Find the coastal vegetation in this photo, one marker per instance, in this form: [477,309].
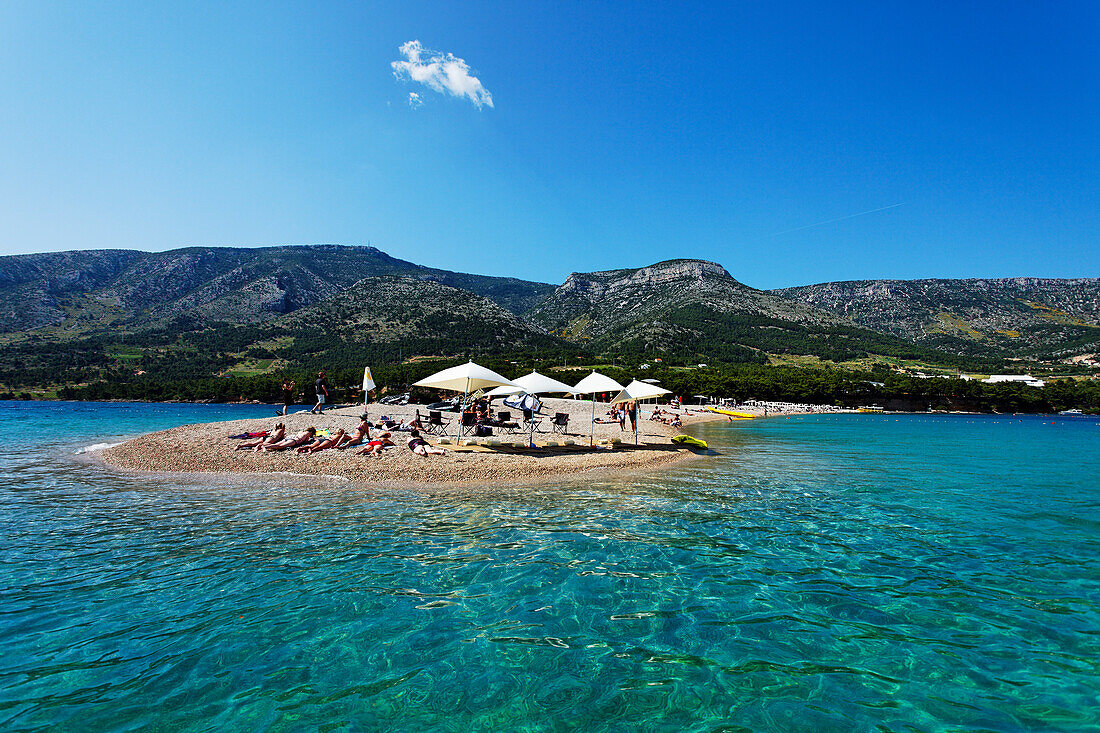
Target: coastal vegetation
[738,381]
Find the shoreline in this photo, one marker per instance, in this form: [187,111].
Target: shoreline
[205,450]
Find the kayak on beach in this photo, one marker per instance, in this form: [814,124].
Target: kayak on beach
[731,413]
[688,440]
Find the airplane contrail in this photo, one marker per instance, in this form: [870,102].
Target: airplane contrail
[839,218]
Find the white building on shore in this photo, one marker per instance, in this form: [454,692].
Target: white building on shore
[1027,379]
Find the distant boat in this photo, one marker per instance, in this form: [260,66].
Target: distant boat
[1071,412]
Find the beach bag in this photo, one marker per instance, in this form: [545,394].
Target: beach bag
[483,431]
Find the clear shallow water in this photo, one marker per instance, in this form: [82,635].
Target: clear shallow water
[822,573]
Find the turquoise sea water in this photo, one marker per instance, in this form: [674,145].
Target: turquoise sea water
[827,573]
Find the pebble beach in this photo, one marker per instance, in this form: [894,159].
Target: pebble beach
[207,448]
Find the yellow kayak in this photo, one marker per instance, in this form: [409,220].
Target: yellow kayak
[688,440]
[731,413]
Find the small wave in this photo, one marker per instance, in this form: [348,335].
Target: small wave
[94,447]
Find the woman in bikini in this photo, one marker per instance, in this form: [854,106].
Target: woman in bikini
[421,447]
[374,447]
[298,439]
[356,438]
[274,437]
[328,442]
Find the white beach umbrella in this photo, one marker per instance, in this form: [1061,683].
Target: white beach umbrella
[462,379]
[368,384]
[533,383]
[638,391]
[592,384]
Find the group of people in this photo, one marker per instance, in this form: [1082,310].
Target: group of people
[668,417]
[320,387]
[481,410]
[311,440]
[622,412]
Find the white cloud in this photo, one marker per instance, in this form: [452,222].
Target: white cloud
[415,100]
[443,72]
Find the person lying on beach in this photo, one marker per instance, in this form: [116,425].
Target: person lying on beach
[362,432]
[421,447]
[273,437]
[403,426]
[323,443]
[293,442]
[374,447]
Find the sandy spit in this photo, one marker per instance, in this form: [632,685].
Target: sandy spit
[206,449]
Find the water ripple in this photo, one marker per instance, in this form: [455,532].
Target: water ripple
[819,575]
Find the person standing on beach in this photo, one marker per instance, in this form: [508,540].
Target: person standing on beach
[288,394]
[321,387]
[632,413]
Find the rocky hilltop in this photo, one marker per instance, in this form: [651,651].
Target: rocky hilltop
[1046,318]
[595,285]
[694,306]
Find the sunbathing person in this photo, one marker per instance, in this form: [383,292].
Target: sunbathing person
[323,443]
[402,426]
[293,442]
[407,426]
[273,437]
[374,447]
[421,447]
[362,432]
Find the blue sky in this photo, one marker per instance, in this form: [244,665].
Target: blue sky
[751,134]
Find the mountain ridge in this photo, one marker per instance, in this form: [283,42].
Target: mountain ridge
[1019,316]
[104,289]
[695,308]
[123,311]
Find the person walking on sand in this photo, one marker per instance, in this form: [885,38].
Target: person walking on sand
[632,413]
[320,385]
[288,394]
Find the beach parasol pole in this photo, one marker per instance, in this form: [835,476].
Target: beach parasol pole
[592,426]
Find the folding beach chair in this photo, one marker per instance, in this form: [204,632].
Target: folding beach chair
[560,423]
[504,422]
[469,423]
[530,422]
[436,425]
